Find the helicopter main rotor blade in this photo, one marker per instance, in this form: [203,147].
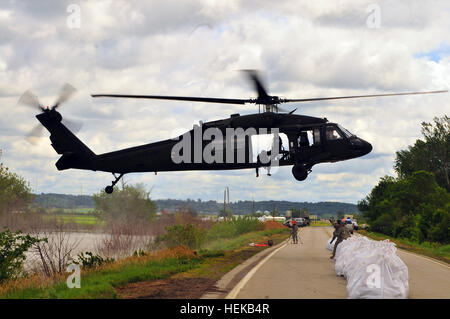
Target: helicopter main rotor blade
[177,98]
[253,75]
[357,96]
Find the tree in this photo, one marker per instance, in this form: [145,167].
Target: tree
[296,213]
[431,155]
[15,192]
[415,207]
[129,204]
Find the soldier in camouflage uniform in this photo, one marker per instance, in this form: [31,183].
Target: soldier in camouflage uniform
[341,233]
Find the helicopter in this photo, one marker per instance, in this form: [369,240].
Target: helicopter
[311,140]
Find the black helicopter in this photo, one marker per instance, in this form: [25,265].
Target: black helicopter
[312,140]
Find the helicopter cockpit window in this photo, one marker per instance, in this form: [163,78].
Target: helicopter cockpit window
[332,133]
[345,131]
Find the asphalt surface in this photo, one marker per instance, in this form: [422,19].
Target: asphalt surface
[305,271]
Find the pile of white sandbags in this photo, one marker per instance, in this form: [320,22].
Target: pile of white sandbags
[330,245]
[372,269]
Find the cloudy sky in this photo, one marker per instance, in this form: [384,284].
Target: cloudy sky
[196,47]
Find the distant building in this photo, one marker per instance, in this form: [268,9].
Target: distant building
[288,213]
[313,217]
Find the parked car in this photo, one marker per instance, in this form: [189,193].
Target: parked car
[300,221]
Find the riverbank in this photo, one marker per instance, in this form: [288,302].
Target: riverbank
[167,271]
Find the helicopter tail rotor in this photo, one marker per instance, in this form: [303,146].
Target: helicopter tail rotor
[29,99]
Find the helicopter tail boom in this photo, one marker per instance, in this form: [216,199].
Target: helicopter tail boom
[75,154]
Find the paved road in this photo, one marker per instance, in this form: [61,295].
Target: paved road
[305,271]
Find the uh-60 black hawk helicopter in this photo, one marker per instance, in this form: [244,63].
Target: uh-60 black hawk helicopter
[312,140]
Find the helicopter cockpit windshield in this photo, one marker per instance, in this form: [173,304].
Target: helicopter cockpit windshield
[346,132]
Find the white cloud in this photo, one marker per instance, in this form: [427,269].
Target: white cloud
[307,49]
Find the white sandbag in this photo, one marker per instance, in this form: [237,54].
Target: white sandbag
[372,269]
[344,255]
[330,246]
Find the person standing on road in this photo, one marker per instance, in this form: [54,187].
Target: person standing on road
[336,227]
[340,234]
[294,230]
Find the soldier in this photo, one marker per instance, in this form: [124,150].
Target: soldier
[294,229]
[341,233]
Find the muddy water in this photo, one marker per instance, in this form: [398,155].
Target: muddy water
[82,242]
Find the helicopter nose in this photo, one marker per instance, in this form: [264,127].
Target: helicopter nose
[367,147]
[361,147]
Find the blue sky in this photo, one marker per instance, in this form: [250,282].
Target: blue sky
[186,47]
[435,55]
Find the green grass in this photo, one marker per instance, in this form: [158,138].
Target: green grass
[320,223]
[71,218]
[217,258]
[101,283]
[434,250]
[78,210]
[243,240]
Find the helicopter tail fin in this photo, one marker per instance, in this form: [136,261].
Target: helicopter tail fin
[75,154]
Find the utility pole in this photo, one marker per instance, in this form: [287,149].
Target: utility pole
[253,206]
[228,197]
[224,201]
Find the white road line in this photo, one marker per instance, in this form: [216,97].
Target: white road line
[233,293]
[423,257]
[418,255]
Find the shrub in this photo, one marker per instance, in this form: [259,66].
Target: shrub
[189,235]
[89,260]
[234,227]
[12,252]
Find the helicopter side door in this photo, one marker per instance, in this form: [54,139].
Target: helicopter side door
[308,143]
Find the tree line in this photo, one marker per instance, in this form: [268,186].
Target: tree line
[415,204]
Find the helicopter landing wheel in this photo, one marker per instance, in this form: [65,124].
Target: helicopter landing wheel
[109,189]
[300,172]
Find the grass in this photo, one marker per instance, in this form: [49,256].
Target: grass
[78,210]
[320,223]
[72,218]
[101,282]
[243,240]
[214,260]
[434,250]
[227,254]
